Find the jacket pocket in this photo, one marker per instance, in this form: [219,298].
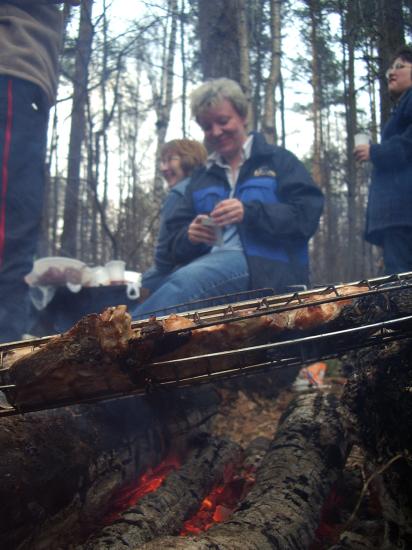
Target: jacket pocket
[204,200]
[262,189]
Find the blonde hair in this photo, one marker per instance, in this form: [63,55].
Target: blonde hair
[192,153]
[212,92]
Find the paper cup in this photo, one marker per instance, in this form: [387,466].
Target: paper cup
[99,276]
[115,270]
[362,139]
[208,222]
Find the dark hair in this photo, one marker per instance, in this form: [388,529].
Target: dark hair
[404,53]
[192,153]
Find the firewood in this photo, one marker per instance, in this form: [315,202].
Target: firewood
[378,408]
[283,508]
[60,468]
[164,510]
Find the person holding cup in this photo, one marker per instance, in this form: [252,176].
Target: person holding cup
[362,138]
[260,196]
[389,211]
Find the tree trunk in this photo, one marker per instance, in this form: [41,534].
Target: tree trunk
[219,39]
[244,46]
[164,99]
[183,103]
[321,236]
[83,51]
[269,116]
[390,38]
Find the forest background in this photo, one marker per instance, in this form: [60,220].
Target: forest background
[313,71]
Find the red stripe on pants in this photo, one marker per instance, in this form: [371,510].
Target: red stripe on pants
[4,170]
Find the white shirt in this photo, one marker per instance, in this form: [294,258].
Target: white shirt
[231,238]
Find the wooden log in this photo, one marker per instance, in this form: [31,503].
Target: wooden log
[164,510]
[60,467]
[378,408]
[283,508]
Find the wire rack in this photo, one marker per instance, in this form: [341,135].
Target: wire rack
[299,351]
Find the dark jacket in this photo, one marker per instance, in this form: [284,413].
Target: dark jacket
[155,276]
[30,36]
[390,194]
[163,261]
[282,210]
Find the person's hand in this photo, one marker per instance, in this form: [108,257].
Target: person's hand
[227,212]
[361,153]
[199,233]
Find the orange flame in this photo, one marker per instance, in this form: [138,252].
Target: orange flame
[219,504]
[150,481]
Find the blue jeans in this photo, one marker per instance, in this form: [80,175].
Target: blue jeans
[23,131]
[222,272]
[152,279]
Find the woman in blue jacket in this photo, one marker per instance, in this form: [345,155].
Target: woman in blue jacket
[246,218]
[178,159]
[389,212]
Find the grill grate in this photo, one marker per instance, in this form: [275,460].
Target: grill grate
[254,359]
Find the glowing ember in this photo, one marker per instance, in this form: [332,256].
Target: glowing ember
[219,504]
[330,525]
[150,481]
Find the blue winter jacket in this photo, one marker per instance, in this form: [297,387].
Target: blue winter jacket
[282,210]
[390,194]
[163,262]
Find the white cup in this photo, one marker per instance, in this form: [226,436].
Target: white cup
[208,222]
[115,270]
[100,276]
[362,139]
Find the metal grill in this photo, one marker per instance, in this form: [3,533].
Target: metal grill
[254,359]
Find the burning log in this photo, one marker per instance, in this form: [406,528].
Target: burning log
[378,407]
[164,510]
[283,508]
[60,468]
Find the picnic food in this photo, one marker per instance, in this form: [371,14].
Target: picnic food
[103,353]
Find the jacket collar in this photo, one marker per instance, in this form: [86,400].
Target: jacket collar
[260,146]
[216,158]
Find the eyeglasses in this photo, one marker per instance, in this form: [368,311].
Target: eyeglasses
[168,160]
[396,67]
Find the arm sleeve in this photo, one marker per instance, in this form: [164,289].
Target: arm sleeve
[179,247]
[397,150]
[162,255]
[300,205]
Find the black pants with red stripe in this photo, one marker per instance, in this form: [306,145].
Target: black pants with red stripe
[23,136]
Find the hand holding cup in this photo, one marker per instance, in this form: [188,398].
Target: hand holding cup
[362,147]
[202,230]
[227,212]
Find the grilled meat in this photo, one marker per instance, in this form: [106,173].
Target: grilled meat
[103,354]
[86,360]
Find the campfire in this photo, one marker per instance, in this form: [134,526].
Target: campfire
[192,437]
